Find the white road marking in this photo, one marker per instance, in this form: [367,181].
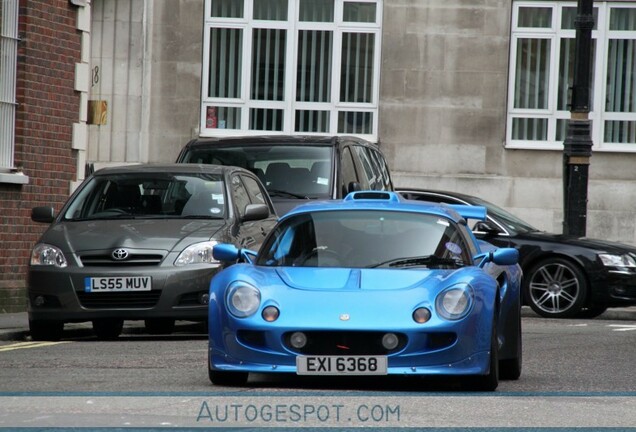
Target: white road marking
[623,327]
[25,345]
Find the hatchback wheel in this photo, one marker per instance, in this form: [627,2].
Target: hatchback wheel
[156,326]
[108,329]
[555,288]
[46,330]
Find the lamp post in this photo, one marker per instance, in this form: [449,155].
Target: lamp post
[577,147]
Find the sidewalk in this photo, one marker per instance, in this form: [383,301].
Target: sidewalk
[15,326]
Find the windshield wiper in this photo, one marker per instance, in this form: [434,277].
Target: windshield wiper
[425,260]
[278,192]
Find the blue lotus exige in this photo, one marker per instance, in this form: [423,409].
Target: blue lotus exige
[370,285]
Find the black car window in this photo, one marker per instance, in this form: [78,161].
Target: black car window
[148,195]
[240,195]
[348,170]
[360,239]
[371,175]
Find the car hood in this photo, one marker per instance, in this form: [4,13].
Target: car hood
[330,279]
[158,234]
[585,242]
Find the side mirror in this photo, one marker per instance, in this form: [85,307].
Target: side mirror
[353,187]
[255,212]
[502,256]
[487,228]
[226,252]
[43,214]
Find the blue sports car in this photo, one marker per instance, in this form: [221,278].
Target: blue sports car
[370,285]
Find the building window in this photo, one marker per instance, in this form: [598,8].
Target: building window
[291,66]
[8,59]
[542,72]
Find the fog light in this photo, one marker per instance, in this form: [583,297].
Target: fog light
[270,313]
[298,340]
[38,301]
[204,298]
[390,341]
[421,315]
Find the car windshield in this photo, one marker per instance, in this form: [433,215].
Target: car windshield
[509,220]
[287,171]
[366,239]
[149,195]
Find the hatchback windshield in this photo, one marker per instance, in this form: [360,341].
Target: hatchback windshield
[149,195]
[368,239]
[302,171]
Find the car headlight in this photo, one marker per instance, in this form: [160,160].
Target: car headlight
[47,255]
[198,253]
[611,260]
[243,299]
[454,302]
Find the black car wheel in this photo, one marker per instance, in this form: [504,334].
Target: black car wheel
[156,326]
[555,288]
[46,330]
[108,329]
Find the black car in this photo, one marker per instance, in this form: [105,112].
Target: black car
[297,168]
[564,276]
[135,243]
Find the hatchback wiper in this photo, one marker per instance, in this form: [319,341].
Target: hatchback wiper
[278,192]
[425,260]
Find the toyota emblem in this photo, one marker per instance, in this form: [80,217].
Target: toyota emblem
[120,254]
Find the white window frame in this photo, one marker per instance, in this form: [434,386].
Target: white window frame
[289,104]
[597,113]
[8,71]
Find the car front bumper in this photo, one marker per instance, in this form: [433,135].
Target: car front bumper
[178,293]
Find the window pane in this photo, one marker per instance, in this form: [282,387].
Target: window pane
[568,16]
[268,64]
[225,63]
[623,132]
[530,129]
[226,8]
[532,74]
[272,10]
[623,19]
[316,10]
[356,75]
[313,80]
[217,117]
[266,119]
[621,76]
[355,122]
[536,17]
[566,73]
[312,121]
[359,12]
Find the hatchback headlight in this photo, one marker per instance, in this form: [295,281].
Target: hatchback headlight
[243,299]
[454,303]
[198,253]
[610,260]
[47,255]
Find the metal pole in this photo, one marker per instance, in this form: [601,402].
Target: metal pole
[577,147]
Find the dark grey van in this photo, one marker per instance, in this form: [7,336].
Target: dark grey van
[295,168]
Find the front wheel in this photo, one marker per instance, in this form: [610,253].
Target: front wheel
[490,381]
[46,330]
[555,288]
[231,379]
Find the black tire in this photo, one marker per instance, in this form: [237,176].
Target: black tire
[108,329]
[230,379]
[157,326]
[490,381]
[591,312]
[555,288]
[510,369]
[46,330]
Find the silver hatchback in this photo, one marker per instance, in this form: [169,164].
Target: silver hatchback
[135,243]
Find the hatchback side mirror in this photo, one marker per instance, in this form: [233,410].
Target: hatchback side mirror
[255,212]
[43,214]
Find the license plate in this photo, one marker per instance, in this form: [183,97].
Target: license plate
[117,284]
[341,365]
